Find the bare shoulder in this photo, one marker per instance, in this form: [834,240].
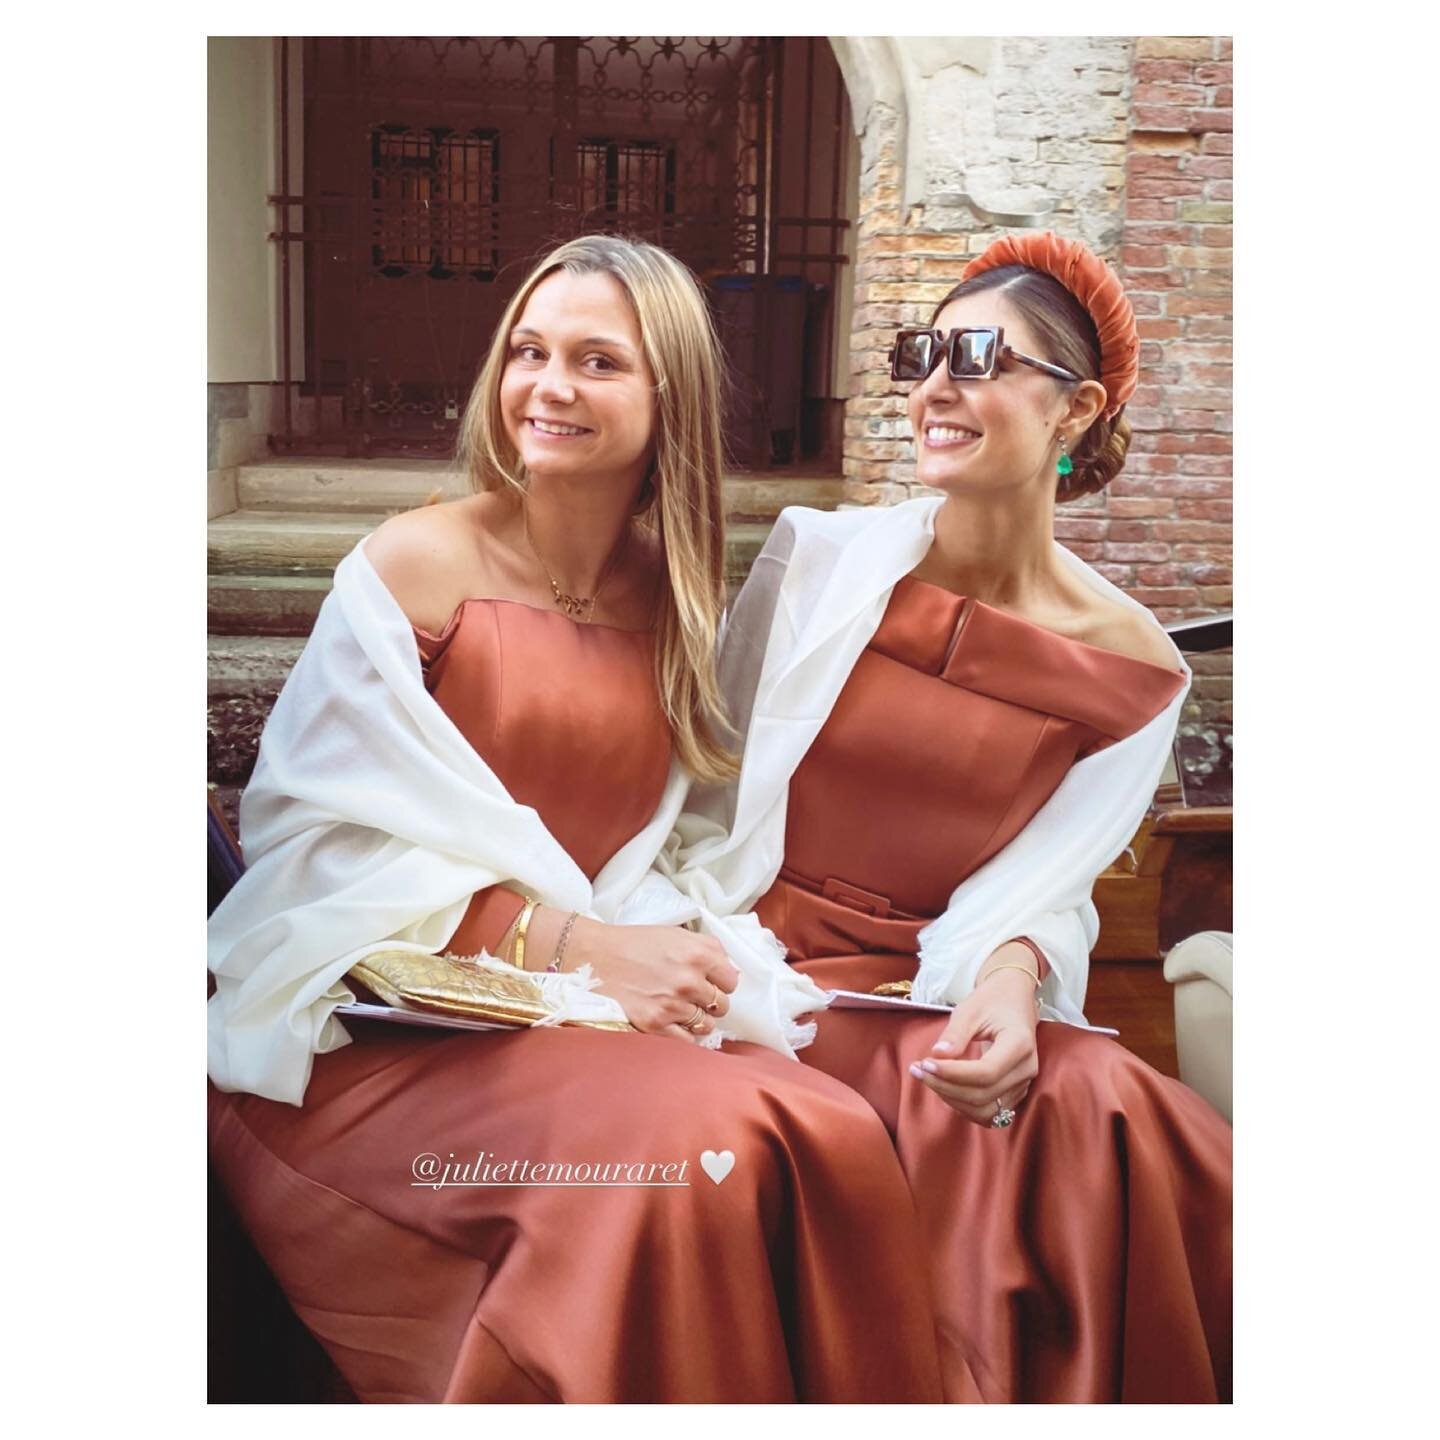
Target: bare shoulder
[431,559]
[1135,633]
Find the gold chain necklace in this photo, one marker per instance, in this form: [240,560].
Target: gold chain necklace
[577,607]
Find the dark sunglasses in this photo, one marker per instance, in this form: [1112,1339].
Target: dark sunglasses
[974,353]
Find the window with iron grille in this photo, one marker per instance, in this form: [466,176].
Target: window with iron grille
[630,178]
[436,195]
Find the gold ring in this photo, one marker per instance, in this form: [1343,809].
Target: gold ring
[714,999]
[698,1018]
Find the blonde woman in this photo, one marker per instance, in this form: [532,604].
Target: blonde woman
[483,748]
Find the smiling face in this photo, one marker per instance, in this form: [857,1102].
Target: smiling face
[577,397]
[988,434]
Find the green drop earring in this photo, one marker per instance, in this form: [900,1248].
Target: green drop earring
[1064,464]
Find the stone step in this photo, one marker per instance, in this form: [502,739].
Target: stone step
[314,484]
[272,574]
[265,605]
[754,497]
[249,665]
[259,542]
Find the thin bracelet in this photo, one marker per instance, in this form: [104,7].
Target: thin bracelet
[563,941]
[521,929]
[1011,965]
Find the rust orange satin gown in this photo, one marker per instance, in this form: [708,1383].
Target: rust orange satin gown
[797,1278]
[1084,1253]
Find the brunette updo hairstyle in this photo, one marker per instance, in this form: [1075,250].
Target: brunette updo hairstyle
[1067,335]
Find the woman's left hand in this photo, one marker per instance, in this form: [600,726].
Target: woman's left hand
[994,1029]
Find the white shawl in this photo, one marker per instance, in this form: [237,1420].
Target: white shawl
[814,598]
[370,821]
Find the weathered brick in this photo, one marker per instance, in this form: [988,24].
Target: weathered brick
[1140,232]
[933,244]
[1182,487]
[1212,167]
[1217,118]
[1205,352]
[1154,279]
[1163,117]
[1162,142]
[1191,530]
[1158,329]
[1167,70]
[1145,257]
[1213,73]
[1174,47]
[1198,257]
[1200,305]
[1216,375]
[1145,463]
[1217,235]
[1220,190]
[1138,506]
[1206,212]
[1166,187]
[1218,144]
[1197,419]
[1223,99]
[1160,574]
[1206,509]
[1208,465]
[1195,444]
[1142,209]
[1150,92]
[1134,553]
[1224,47]
[1155,164]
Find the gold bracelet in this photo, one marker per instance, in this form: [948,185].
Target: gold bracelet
[1011,965]
[522,927]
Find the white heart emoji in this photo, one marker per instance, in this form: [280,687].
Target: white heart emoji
[717,1167]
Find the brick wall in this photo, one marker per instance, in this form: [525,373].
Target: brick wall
[1168,539]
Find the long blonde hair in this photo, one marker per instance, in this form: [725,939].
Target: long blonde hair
[683,495]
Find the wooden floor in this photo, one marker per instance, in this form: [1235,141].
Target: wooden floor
[1133,997]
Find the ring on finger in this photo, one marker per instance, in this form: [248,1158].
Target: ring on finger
[1003,1117]
[695,1021]
[714,998]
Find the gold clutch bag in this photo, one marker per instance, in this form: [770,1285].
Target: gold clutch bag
[479,989]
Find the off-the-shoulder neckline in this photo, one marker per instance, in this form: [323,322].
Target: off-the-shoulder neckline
[524,605]
[1011,616]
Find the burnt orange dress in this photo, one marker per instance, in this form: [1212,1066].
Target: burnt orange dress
[1084,1253]
[750,1289]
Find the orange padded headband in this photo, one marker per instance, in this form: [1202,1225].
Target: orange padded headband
[1095,285]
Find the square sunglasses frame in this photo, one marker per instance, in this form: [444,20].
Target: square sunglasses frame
[948,345]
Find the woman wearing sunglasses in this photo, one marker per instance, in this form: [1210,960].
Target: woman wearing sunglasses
[484,745]
[952,725]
